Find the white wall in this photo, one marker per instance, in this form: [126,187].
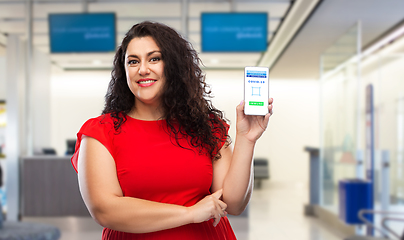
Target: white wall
[2,94]
[77,96]
[2,97]
[295,125]
[2,78]
[15,132]
[40,90]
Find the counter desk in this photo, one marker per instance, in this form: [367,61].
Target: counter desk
[49,187]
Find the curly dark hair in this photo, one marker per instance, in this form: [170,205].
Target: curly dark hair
[186,105]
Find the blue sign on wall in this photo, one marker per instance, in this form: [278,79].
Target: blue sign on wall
[234,32]
[88,32]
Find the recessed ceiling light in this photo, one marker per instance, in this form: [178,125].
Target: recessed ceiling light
[97,62]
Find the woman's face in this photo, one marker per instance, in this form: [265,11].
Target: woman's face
[145,70]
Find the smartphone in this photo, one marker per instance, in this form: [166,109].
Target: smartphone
[256,90]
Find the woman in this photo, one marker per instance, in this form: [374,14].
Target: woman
[157,164]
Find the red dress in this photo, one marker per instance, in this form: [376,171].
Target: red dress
[151,166]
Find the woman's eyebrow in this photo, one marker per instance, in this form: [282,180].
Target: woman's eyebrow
[132,56]
[148,54]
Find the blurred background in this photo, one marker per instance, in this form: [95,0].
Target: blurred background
[335,70]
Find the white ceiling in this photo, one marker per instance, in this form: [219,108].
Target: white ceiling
[13,21]
[331,19]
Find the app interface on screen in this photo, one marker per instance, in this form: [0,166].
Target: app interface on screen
[256,90]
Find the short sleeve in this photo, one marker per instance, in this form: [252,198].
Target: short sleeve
[99,128]
[217,132]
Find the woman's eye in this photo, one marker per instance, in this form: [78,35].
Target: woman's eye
[131,62]
[155,59]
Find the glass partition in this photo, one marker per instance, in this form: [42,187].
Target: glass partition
[385,72]
[341,51]
[339,118]
[345,76]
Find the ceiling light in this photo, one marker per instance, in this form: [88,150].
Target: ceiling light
[214,61]
[97,62]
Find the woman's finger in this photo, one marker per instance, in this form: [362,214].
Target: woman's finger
[222,205]
[220,210]
[218,216]
[270,108]
[218,194]
[240,110]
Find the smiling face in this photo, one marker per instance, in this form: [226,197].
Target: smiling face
[144,69]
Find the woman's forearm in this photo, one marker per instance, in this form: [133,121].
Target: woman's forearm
[238,183]
[236,174]
[127,214]
[134,215]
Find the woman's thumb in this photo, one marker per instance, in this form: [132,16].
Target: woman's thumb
[240,109]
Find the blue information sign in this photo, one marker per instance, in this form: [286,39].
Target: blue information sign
[234,32]
[84,32]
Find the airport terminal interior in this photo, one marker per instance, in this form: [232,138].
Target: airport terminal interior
[330,165]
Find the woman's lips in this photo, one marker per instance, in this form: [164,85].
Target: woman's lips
[146,82]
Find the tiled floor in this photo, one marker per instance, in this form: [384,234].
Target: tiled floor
[275,212]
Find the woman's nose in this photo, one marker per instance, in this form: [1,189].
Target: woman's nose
[144,69]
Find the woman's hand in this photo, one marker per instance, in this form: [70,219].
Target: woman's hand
[252,127]
[209,207]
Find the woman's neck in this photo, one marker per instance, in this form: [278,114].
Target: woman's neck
[146,112]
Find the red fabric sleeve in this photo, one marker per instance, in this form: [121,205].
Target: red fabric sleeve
[217,133]
[100,128]
[223,140]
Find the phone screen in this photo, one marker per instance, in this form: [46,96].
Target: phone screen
[256,90]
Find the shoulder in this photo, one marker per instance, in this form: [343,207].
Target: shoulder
[104,121]
[100,128]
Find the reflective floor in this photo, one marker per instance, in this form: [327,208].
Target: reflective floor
[275,212]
